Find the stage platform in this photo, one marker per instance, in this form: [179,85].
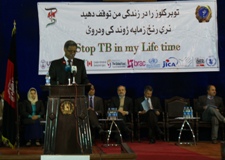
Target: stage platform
[34,153]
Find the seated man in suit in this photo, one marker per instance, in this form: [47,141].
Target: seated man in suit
[95,110]
[124,106]
[149,107]
[212,105]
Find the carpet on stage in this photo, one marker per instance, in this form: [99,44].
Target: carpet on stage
[143,150]
[158,151]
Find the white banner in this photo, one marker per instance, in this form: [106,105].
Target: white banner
[147,37]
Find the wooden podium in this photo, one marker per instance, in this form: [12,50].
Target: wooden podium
[67,129]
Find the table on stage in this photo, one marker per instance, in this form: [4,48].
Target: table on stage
[186,121]
[110,130]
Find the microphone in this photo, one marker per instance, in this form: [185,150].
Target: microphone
[73,69]
[67,68]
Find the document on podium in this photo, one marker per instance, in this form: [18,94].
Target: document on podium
[145,105]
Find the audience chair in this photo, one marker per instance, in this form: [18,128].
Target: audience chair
[174,108]
[203,124]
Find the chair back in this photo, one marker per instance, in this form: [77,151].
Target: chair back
[107,104]
[175,105]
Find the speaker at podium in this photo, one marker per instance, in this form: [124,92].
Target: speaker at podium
[67,129]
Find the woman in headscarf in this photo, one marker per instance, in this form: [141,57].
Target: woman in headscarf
[32,112]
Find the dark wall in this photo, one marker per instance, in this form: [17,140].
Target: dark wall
[166,85]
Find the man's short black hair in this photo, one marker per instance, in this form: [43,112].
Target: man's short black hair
[69,43]
[148,88]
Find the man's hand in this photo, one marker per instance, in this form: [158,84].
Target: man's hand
[142,112]
[157,113]
[89,108]
[204,107]
[34,117]
[123,112]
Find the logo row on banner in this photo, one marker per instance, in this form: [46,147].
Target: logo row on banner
[139,37]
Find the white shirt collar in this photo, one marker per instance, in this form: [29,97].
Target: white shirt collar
[66,59]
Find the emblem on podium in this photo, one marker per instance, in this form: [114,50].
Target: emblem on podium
[67,107]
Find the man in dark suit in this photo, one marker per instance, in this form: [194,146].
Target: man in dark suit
[149,107]
[124,106]
[95,110]
[212,105]
[60,69]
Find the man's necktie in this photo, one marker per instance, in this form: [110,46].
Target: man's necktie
[69,72]
[90,102]
[69,62]
[150,103]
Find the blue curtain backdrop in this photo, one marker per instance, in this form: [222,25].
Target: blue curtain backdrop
[166,85]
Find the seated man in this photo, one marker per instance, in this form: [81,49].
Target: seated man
[95,110]
[124,106]
[32,113]
[211,105]
[149,107]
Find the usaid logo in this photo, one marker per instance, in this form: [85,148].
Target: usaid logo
[131,63]
[170,62]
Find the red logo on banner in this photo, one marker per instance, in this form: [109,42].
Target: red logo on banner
[89,63]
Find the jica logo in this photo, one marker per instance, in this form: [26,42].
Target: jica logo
[170,62]
[133,63]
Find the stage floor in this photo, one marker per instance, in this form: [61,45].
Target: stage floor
[34,153]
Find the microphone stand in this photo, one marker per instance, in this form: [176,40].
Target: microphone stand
[74,73]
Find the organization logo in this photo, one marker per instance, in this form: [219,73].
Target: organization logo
[211,61]
[153,63]
[51,15]
[89,63]
[99,63]
[203,13]
[45,64]
[109,64]
[116,64]
[186,62]
[93,63]
[200,62]
[170,62]
[131,63]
